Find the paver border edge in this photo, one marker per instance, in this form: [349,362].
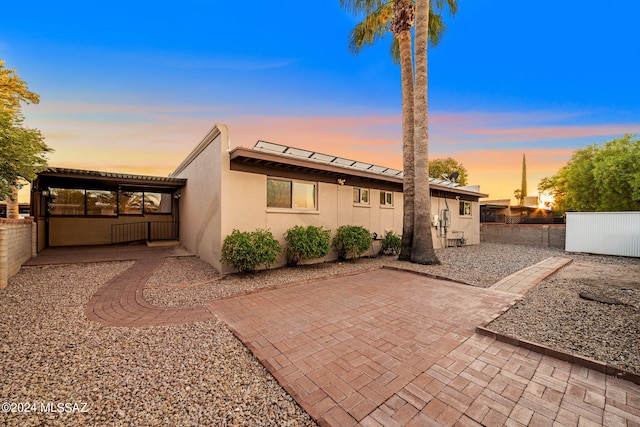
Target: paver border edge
[262,360]
[577,359]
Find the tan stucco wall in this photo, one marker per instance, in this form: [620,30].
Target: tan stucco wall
[79,231]
[245,208]
[470,226]
[217,200]
[201,198]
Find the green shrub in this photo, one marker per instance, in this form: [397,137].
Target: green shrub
[245,251]
[391,244]
[306,243]
[351,241]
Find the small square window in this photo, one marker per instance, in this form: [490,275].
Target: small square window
[386,198]
[465,208]
[361,196]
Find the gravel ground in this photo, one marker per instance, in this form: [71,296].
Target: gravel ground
[183,375]
[478,265]
[554,314]
[201,374]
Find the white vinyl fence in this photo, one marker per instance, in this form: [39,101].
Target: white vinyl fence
[607,233]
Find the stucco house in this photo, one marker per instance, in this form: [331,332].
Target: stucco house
[217,189]
[275,187]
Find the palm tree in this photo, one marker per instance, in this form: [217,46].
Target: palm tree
[397,17]
[422,251]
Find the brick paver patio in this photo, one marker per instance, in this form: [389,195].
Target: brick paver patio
[395,348]
[384,347]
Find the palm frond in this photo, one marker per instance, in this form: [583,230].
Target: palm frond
[365,7]
[394,51]
[438,6]
[437,28]
[373,27]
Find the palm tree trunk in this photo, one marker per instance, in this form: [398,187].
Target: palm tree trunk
[422,251]
[406,72]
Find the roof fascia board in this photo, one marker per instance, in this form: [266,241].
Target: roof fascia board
[213,133]
[240,152]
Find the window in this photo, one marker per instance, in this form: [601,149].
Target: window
[100,202]
[66,202]
[361,196]
[130,203]
[386,198]
[283,193]
[465,208]
[157,203]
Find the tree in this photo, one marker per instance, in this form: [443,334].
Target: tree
[397,17]
[598,178]
[22,149]
[440,167]
[521,193]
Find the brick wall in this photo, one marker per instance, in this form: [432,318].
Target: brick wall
[524,234]
[16,246]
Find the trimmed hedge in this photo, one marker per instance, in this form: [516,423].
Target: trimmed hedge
[245,251]
[306,243]
[351,241]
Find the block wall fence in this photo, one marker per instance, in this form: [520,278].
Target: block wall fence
[552,235]
[18,243]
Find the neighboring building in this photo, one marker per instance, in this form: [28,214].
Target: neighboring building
[217,189]
[276,187]
[501,211]
[23,209]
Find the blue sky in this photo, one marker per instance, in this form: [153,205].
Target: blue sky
[133,86]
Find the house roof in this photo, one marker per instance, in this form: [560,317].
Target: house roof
[64,177]
[283,157]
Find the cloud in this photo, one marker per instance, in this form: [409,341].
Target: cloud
[153,139]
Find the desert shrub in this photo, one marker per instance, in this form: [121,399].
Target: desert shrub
[245,251]
[351,241]
[391,244]
[306,243]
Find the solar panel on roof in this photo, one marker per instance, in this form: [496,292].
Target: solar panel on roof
[377,169]
[298,152]
[325,158]
[264,145]
[361,165]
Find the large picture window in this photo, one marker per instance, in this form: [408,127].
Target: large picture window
[101,202]
[66,201]
[283,193]
[130,203]
[79,202]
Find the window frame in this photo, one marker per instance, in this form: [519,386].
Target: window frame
[292,207]
[86,194]
[358,200]
[384,199]
[462,209]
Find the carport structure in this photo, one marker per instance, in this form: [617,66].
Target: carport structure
[83,207]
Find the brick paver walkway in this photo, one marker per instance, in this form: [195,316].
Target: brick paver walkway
[521,281]
[395,348]
[120,302]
